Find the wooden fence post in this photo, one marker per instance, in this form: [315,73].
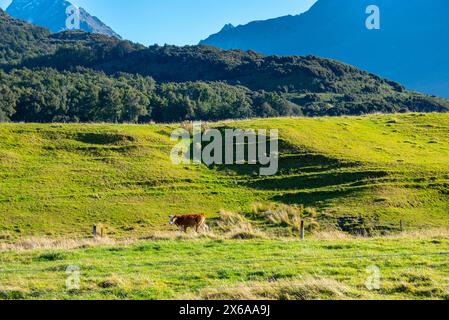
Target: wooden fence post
[401,225]
[98,231]
[302,233]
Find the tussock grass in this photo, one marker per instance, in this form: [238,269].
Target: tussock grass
[237,231]
[114,281]
[280,215]
[235,226]
[434,233]
[66,243]
[332,235]
[431,233]
[286,216]
[311,288]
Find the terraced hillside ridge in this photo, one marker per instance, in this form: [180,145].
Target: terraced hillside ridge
[60,179]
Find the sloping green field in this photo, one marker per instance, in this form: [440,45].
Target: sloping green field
[58,179]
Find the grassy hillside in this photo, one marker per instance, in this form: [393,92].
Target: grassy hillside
[59,180]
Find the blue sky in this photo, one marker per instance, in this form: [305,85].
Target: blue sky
[182,21]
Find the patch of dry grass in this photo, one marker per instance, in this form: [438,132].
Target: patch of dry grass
[235,226]
[310,288]
[332,235]
[433,233]
[287,216]
[423,233]
[230,226]
[34,243]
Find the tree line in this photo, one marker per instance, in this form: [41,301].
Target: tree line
[47,95]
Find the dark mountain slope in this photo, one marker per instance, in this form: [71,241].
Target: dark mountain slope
[411,47]
[201,63]
[20,39]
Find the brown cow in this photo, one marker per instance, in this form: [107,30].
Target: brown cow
[195,221]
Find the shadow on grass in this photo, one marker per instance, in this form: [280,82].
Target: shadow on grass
[312,198]
[319,180]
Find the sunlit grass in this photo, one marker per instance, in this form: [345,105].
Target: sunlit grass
[235,269]
[61,179]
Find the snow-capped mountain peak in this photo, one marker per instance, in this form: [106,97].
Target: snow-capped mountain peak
[58,15]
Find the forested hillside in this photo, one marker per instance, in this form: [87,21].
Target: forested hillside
[21,40]
[77,76]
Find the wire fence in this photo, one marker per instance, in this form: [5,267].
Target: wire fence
[172,233]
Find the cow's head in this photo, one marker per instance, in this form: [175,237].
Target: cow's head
[172,220]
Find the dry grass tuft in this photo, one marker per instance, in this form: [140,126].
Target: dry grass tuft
[436,233]
[229,226]
[114,281]
[236,226]
[286,216]
[188,126]
[332,235]
[168,235]
[66,243]
[310,288]
[34,243]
